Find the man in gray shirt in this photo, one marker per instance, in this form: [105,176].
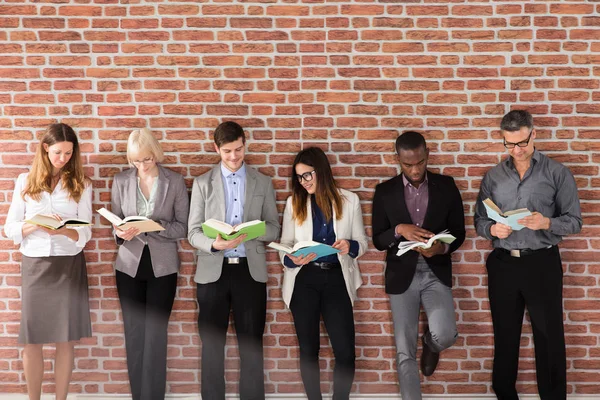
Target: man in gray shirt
[525,267]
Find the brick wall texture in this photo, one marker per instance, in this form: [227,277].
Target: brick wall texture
[343,75]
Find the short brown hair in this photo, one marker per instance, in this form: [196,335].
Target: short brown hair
[228,132]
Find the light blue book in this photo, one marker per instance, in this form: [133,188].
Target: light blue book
[304,248]
[509,218]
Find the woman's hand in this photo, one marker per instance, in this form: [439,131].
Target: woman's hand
[126,234]
[302,260]
[342,245]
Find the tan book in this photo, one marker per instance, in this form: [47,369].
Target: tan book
[48,221]
[133,221]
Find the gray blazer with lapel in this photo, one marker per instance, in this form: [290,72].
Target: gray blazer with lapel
[208,201]
[171,209]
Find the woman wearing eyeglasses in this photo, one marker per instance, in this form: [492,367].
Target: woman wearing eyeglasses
[319,210]
[147,263]
[54,286]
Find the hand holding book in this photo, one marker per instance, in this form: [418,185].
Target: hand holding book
[444,237]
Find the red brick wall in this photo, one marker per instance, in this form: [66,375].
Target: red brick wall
[346,76]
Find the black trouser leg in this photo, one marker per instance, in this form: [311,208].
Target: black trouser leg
[336,309]
[132,294]
[146,302]
[214,302]
[507,307]
[543,296]
[306,310]
[159,303]
[249,305]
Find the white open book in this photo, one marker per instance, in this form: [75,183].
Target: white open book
[443,236]
[48,221]
[304,248]
[134,221]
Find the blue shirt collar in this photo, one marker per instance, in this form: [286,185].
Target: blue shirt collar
[240,172]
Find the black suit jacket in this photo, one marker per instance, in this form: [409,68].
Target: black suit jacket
[444,211]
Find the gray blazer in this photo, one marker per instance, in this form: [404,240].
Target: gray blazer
[208,201]
[170,209]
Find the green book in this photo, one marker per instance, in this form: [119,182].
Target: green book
[253,229]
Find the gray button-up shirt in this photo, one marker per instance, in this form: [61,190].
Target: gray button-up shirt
[547,187]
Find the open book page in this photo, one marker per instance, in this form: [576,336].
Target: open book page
[509,218]
[142,223]
[304,248]
[252,229]
[50,222]
[444,237]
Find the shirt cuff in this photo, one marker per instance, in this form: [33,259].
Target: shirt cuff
[16,232]
[288,262]
[82,238]
[354,248]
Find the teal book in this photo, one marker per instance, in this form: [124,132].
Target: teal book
[253,229]
[304,248]
[509,218]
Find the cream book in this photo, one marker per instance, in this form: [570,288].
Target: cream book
[444,237]
[134,221]
[48,221]
[253,229]
[305,247]
[509,218]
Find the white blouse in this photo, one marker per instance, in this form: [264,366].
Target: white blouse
[40,243]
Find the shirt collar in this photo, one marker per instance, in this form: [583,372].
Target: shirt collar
[535,159]
[240,172]
[406,182]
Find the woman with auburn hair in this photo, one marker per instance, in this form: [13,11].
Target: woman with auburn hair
[320,211]
[147,263]
[54,295]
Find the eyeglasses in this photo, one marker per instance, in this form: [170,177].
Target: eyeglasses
[145,161]
[522,143]
[307,176]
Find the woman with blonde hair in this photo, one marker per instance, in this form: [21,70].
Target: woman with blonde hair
[54,295]
[147,263]
[320,211]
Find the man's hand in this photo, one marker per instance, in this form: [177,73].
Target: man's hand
[126,234]
[222,244]
[436,248]
[413,232]
[501,231]
[301,260]
[342,245]
[535,221]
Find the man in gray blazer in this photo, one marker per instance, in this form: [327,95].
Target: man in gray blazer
[232,275]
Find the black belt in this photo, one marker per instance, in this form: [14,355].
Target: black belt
[325,265]
[523,252]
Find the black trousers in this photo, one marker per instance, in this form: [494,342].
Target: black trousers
[146,303]
[235,291]
[323,292]
[533,281]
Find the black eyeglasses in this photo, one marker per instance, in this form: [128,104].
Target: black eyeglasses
[307,176]
[522,143]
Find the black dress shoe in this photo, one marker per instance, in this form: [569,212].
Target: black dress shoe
[429,358]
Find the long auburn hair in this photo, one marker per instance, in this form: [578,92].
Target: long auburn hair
[40,177]
[327,195]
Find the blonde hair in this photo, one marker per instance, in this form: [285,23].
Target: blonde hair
[40,177]
[143,139]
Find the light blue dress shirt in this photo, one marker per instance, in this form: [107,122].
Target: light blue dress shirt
[234,185]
